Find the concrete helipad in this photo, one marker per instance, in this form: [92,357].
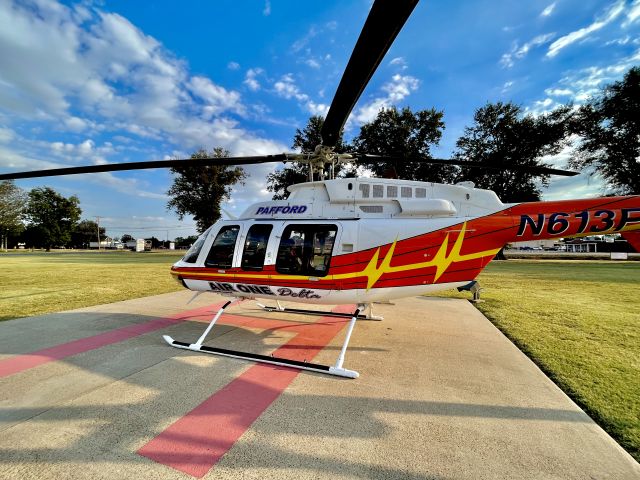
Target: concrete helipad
[96,393]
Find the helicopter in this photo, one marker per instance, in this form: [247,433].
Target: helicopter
[363,240]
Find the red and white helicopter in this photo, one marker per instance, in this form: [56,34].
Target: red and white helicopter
[364,240]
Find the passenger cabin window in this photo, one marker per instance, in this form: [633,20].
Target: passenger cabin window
[192,254]
[306,250]
[255,247]
[221,253]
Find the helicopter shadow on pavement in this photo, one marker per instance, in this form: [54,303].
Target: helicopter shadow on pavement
[99,407]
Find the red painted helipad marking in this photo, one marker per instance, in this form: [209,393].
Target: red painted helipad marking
[197,441]
[19,363]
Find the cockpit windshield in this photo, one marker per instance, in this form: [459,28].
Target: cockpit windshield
[192,254]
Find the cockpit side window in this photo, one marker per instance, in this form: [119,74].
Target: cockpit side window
[255,247]
[192,254]
[221,253]
[306,250]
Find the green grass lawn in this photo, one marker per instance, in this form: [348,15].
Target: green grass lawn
[580,322]
[33,284]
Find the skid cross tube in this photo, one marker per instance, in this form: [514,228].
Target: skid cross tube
[336,369]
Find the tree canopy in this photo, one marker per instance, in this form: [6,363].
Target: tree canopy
[86,232]
[399,133]
[503,136]
[609,127]
[50,218]
[406,134]
[199,191]
[306,140]
[12,204]
[185,242]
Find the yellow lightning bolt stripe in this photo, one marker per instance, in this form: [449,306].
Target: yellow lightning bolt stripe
[441,261]
[373,271]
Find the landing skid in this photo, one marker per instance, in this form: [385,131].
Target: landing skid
[280,308]
[336,369]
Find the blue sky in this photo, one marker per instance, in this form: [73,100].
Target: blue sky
[108,81]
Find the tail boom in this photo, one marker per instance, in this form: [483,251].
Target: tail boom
[575,218]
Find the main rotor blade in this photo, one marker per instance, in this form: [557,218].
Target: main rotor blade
[385,20]
[469,164]
[117,167]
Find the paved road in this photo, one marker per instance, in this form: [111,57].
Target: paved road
[442,394]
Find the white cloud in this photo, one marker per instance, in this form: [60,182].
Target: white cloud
[86,147]
[19,160]
[542,107]
[76,124]
[79,69]
[548,10]
[577,86]
[216,98]
[250,79]
[518,52]
[6,135]
[399,62]
[400,87]
[287,88]
[320,109]
[558,92]
[312,62]
[633,14]
[396,90]
[619,41]
[302,42]
[266,11]
[233,66]
[565,188]
[614,11]
[586,82]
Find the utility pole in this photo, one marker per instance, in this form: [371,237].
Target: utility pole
[98,222]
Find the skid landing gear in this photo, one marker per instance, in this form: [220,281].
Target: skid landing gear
[362,316]
[474,288]
[337,369]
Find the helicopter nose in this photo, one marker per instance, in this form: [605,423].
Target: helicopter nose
[177,277]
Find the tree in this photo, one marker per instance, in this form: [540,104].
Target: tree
[405,134]
[126,238]
[502,136]
[609,127]
[12,204]
[185,242]
[306,140]
[50,217]
[86,232]
[198,191]
[156,242]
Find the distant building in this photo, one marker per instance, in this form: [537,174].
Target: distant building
[107,243]
[138,245]
[589,244]
[537,245]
